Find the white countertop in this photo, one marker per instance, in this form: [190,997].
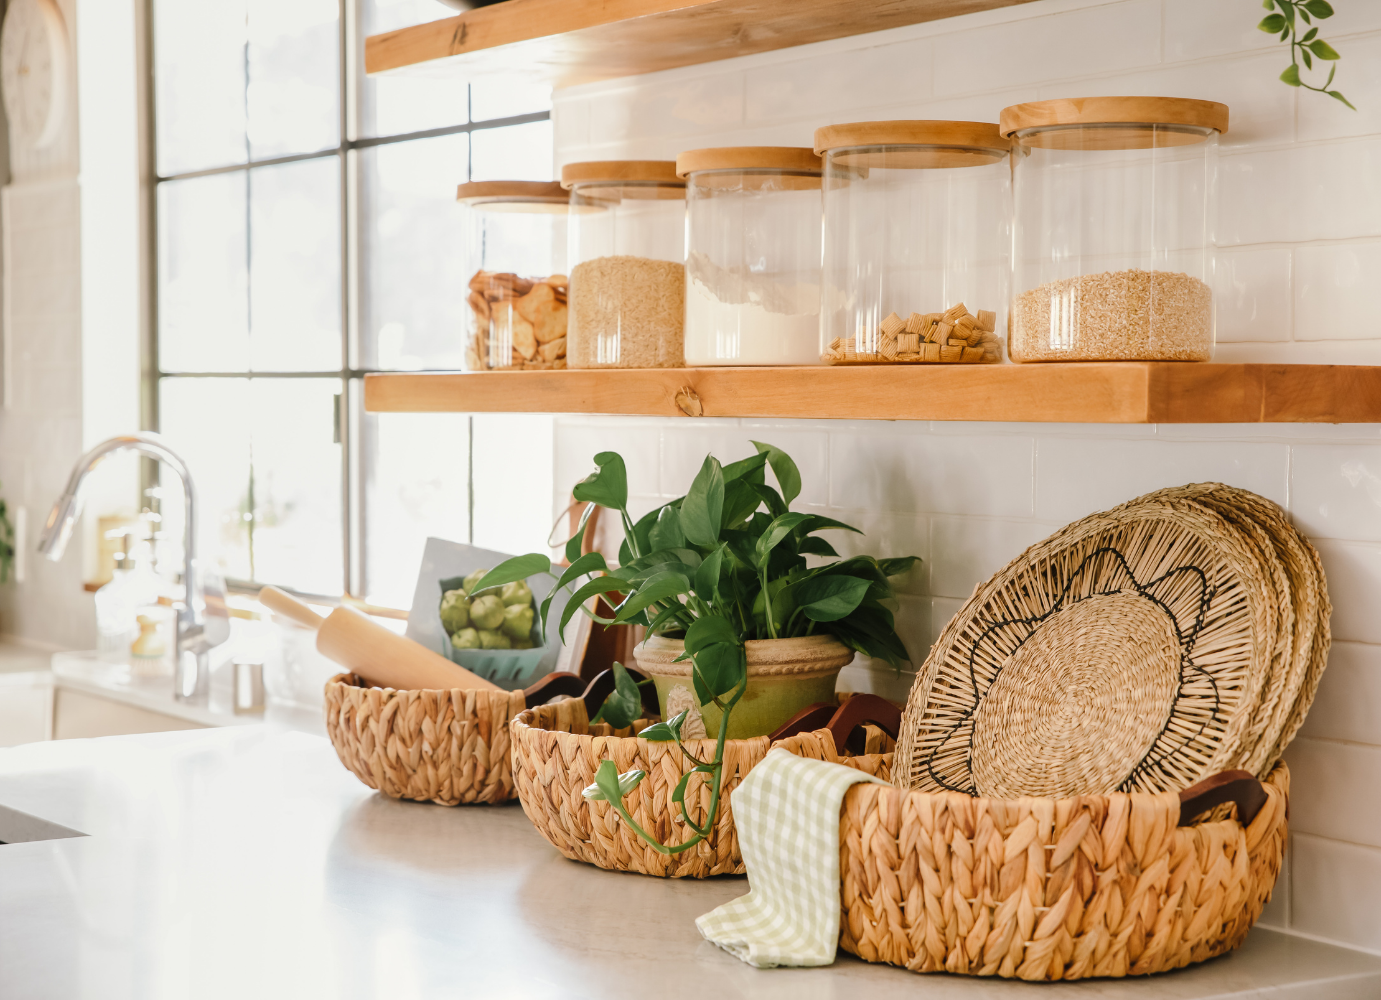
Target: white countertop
[245,862]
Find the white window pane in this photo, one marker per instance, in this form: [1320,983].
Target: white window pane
[203,274]
[267,473]
[294,76]
[199,77]
[514,153]
[294,278]
[393,104]
[504,97]
[413,291]
[415,486]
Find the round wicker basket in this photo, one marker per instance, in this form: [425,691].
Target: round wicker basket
[555,755]
[1141,649]
[1046,888]
[447,747]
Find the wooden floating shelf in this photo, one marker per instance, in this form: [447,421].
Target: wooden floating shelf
[1134,392]
[580,41]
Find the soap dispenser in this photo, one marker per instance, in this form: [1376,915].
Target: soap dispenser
[117,605]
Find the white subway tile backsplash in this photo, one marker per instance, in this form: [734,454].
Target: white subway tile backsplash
[1317,352]
[1195,29]
[1336,891]
[1330,790]
[942,609]
[1345,707]
[886,536]
[1358,78]
[1257,114]
[1353,570]
[1335,292]
[819,88]
[1335,490]
[1327,196]
[966,551]
[1253,292]
[578,442]
[669,108]
[1075,478]
[1095,40]
[907,471]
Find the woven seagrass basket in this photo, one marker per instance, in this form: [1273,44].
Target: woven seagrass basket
[1048,888]
[447,747]
[556,753]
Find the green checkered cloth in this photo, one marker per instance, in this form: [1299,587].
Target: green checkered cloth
[787,816]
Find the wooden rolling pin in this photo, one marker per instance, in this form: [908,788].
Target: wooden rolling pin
[381,657]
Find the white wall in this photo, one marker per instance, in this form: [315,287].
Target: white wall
[1300,223]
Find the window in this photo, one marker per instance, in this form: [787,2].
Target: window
[305,235]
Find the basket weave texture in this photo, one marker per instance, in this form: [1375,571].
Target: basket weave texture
[1046,888]
[1140,649]
[555,755]
[447,747]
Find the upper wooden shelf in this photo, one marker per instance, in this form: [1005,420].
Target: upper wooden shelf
[1135,392]
[580,41]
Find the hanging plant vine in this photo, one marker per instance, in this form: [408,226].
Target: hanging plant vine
[1306,47]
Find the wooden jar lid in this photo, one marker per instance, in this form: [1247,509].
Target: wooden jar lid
[620,171]
[795,159]
[1132,112]
[976,135]
[934,144]
[482,191]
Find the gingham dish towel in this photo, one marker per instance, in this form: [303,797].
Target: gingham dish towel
[786,813]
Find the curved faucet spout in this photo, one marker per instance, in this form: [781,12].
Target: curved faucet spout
[57,531]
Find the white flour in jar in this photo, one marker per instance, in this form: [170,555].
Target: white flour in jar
[736,318]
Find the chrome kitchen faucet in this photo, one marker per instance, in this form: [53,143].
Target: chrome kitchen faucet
[199,628]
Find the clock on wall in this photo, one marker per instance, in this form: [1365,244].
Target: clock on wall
[33,71]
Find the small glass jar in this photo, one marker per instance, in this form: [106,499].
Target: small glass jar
[627,243]
[752,255]
[1114,204]
[917,216]
[515,250]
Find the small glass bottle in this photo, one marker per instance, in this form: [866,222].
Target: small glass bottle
[117,604]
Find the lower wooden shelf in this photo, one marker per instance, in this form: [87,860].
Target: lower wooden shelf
[1136,392]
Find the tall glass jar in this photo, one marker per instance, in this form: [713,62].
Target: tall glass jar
[752,255]
[627,242]
[1115,199]
[915,253]
[515,252]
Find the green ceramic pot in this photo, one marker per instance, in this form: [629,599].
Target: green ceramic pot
[784,676]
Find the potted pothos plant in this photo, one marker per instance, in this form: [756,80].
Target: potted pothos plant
[720,579]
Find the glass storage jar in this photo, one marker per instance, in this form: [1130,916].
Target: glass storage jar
[1114,204]
[915,263]
[752,255]
[515,251]
[627,242]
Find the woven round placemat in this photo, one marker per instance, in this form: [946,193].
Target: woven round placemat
[1127,652]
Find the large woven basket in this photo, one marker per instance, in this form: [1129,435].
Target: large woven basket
[447,747]
[1047,888]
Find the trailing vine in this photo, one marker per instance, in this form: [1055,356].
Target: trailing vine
[1306,47]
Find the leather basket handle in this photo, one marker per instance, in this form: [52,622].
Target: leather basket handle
[593,694]
[843,720]
[1241,787]
[555,684]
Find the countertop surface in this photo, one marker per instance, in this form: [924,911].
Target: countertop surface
[245,862]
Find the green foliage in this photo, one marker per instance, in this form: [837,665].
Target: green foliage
[720,566]
[1306,47]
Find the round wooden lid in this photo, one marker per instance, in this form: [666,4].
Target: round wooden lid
[620,171]
[477,192]
[1124,122]
[795,159]
[975,135]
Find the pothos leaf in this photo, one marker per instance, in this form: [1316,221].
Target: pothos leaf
[788,475]
[624,704]
[610,786]
[1291,75]
[703,506]
[665,732]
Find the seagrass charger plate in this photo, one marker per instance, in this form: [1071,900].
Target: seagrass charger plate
[1139,649]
